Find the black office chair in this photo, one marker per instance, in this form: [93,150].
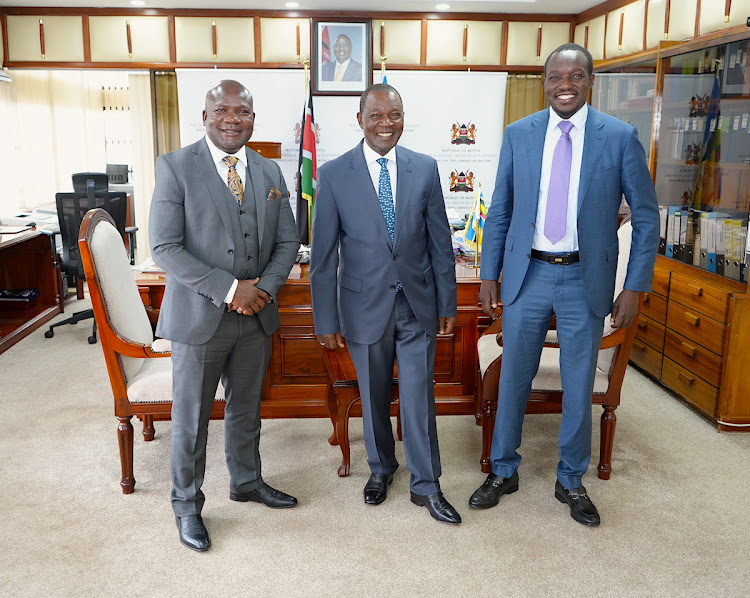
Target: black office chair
[71,208]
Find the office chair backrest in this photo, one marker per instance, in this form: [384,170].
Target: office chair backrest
[83,180]
[72,207]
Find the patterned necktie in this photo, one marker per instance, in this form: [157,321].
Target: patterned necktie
[339,72]
[556,216]
[385,195]
[233,178]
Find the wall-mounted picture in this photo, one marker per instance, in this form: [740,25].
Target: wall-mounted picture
[342,57]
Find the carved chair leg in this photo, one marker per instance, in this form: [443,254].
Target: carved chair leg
[342,427]
[488,427]
[332,406]
[125,440]
[609,421]
[148,428]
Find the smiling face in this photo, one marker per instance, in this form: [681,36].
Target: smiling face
[229,116]
[342,49]
[382,120]
[567,82]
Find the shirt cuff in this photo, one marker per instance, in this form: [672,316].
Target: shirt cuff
[230,294]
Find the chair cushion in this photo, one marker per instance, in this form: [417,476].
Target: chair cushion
[153,383]
[548,375]
[489,350]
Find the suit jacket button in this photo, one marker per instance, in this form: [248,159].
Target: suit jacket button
[242,212]
[395,257]
[247,235]
[231,252]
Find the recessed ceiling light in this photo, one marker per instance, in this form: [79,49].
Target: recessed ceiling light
[138,2]
[292,4]
[442,6]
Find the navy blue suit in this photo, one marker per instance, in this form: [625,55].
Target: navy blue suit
[580,295]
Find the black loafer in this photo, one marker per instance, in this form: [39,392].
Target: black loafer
[376,489]
[193,533]
[265,495]
[438,507]
[489,493]
[581,507]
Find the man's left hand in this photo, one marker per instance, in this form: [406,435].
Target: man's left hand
[445,325]
[624,309]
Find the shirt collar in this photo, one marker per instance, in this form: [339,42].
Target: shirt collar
[217,155]
[371,155]
[578,119]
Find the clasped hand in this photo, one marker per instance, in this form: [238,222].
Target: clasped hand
[248,299]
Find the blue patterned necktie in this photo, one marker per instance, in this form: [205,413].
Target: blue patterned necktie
[385,195]
[556,215]
[233,178]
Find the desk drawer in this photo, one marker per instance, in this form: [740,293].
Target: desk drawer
[650,332]
[691,387]
[660,281]
[655,307]
[693,357]
[697,295]
[695,326]
[646,357]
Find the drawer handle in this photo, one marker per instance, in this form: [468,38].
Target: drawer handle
[638,347]
[697,291]
[685,377]
[688,350]
[646,297]
[642,323]
[694,320]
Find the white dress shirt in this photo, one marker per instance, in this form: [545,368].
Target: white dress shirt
[569,243]
[217,156]
[372,157]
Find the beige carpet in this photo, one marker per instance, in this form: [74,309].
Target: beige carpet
[675,515]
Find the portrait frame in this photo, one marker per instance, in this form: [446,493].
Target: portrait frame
[357,73]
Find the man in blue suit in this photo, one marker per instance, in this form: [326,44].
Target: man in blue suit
[552,231]
[383,278]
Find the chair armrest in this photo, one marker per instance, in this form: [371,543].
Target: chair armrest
[128,348]
[615,338]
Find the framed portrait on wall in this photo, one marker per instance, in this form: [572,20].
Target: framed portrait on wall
[341,56]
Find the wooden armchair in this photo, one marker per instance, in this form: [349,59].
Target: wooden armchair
[140,376]
[546,388]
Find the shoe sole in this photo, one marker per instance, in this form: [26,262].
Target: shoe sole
[563,500]
[237,498]
[510,490]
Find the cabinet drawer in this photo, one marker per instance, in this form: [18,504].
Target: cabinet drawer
[710,301]
[655,307]
[650,332]
[660,281]
[693,357]
[646,357]
[695,326]
[691,387]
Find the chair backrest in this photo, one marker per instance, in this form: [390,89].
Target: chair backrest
[71,208]
[99,181]
[115,298]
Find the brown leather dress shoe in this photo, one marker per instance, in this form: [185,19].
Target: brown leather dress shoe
[376,489]
[581,507]
[193,533]
[489,493]
[438,507]
[265,495]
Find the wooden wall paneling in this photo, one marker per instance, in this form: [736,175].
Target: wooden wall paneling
[628,20]
[713,15]
[149,39]
[278,39]
[658,23]
[62,37]
[234,39]
[681,19]
[445,42]
[596,31]
[86,39]
[401,41]
[523,38]
[3,40]
[172,44]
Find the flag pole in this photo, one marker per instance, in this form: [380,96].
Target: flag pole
[306,63]
[478,207]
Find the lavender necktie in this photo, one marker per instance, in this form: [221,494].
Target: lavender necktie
[556,216]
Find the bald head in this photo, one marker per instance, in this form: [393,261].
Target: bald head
[228,115]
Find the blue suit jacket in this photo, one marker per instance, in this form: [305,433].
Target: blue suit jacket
[613,163]
[354,294]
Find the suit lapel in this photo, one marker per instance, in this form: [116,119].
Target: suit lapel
[370,204]
[404,182]
[535,150]
[217,187]
[593,145]
[258,196]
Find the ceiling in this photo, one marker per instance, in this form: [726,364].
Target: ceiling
[488,6]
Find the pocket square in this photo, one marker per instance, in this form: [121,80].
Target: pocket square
[273,193]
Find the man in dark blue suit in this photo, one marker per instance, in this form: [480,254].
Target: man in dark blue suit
[552,231]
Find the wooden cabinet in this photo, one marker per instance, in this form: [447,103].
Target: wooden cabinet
[27,262]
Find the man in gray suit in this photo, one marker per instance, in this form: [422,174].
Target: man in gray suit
[384,280]
[344,68]
[222,229]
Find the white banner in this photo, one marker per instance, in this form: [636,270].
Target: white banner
[456,117]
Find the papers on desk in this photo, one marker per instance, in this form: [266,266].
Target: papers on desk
[148,266]
[12,230]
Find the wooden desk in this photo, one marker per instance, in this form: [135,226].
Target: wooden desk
[296,384]
[27,262]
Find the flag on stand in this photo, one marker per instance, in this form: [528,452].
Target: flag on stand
[707,190]
[475,224]
[306,174]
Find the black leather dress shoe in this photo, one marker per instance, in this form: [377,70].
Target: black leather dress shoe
[438,507]
[581,507]
[376,488]
[265,495]
[489,493]
[193,533]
